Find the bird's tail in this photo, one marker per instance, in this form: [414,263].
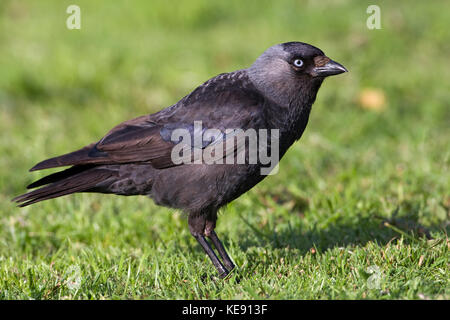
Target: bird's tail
[75,179]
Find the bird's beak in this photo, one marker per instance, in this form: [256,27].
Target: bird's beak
[331,68]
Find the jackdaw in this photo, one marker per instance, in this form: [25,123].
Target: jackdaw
[137,156]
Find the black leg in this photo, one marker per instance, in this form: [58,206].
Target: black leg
[223,254]
[223,272]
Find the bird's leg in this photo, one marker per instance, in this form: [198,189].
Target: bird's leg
[222,252]
[198,228]
[210,225]
[223,272]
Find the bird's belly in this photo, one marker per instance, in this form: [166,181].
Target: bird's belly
[199,187]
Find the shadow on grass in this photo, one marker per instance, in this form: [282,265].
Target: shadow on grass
[341,233]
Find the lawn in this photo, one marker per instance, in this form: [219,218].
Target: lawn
[361,204]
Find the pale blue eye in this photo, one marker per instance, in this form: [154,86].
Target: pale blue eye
[298,63]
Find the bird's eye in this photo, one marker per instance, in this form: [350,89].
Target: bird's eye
[298,63]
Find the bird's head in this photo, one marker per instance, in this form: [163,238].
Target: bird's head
[288,71]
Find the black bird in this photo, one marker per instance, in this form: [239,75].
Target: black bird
[136,157]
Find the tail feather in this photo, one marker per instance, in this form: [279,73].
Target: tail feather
[71,182]
[57,176]
[82,156]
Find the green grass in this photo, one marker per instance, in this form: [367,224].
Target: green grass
[362,188]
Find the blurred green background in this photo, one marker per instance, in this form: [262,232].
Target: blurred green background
[368,184]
